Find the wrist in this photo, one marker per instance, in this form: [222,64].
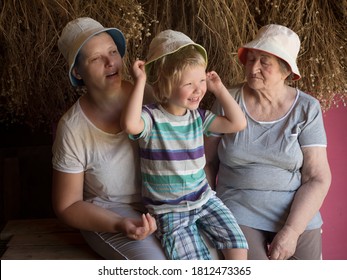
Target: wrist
[220,91]
[141,79]
[292,229]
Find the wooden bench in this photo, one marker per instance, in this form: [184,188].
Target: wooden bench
[43,239]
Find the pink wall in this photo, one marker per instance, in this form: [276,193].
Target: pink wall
[334,210]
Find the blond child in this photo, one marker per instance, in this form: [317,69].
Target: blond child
[170,134]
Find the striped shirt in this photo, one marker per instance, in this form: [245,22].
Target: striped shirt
[173,159]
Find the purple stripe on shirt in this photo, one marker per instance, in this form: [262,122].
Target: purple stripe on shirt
[194,196]
[173,154]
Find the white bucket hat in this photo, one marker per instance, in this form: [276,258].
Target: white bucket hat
[168,42]
[277,40]
[76,33]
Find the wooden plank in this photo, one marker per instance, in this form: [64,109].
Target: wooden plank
[13,227]
[11,189]
[31,252]
[44,239]
[47,239]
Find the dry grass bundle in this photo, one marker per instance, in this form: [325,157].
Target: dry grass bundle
[34,87]
[34,84]
[321,26]
[221,26]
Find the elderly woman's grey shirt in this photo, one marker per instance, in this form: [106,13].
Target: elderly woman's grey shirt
[259,170]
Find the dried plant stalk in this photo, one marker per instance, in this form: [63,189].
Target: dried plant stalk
[321,26]
[34,87]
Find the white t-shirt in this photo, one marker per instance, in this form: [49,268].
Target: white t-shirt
[110,162]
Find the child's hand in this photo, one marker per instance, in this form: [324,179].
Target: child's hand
[214,82]
[139,229]
[139,70]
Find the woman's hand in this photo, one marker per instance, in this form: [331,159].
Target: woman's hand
[284,244]
[139,229]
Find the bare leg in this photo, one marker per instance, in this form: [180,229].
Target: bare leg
[235,254]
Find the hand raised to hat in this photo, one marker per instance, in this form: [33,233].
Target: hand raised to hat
[138,70]
[214,82]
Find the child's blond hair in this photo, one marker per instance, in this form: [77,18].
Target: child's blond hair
[166,72]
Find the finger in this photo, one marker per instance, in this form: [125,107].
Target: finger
[151,222]
[142,229]
[145,222]
[273,254]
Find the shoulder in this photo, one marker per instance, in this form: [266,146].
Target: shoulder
[307,97]
[236,90]
[307,101]
[151,107]
[72,115]
[151,112]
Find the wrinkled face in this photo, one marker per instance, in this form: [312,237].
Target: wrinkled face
[263,70]
[189,91]
[99,63]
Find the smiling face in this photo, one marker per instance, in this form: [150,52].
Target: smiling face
[99,63]
[189,91]
[263,70]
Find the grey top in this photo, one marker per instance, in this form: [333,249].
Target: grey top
[259,170]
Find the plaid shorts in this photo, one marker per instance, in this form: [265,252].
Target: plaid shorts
[180,236]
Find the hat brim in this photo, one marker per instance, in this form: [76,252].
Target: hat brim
[242,54]
[117,37]
[151,60]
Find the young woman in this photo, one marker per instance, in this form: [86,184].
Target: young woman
[96,182]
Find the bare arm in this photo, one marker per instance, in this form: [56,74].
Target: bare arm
[68,204]
[316,179]
[131,120]
[234,119]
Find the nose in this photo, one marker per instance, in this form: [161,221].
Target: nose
[198,89]
[254,66]
[110,61]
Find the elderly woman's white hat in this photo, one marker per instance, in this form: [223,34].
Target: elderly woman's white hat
[76,33]
[277,40]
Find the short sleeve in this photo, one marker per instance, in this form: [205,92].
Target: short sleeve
[65,156]
[146,116]
[312,133]
[207,118]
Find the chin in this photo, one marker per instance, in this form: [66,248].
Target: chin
[193,107]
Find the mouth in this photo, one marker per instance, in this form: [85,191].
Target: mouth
[112,74]
[254,77]
[194,99]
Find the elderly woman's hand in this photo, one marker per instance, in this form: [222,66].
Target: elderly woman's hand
[284,244]
[139,229]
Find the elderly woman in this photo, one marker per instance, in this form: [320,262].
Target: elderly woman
[274,175]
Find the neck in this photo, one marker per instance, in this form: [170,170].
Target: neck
[269,106]
[275,96]
[105,100]
[104,110]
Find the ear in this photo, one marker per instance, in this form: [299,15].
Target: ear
[288,76]
[76,74]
